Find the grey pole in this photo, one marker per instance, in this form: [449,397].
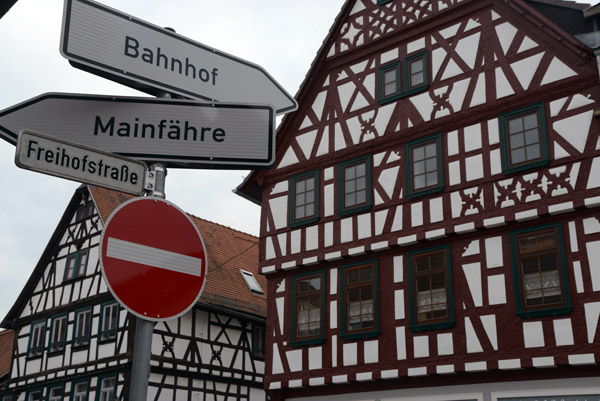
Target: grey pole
[142,347]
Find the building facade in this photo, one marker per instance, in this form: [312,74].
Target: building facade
[430,229]
[72,340]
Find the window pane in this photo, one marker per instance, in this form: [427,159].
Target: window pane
[418,167]
[515,125]
[531,137]
[418,153]
[530,121]
[533,152]
[361,197]
[390,82]
[420,182]
[517,141]
[518,156]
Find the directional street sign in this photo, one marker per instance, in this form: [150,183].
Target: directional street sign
[153,258]
[120,47]
[59,158]
[180,133]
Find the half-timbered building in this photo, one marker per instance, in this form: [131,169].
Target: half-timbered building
[73,341]
[430,230]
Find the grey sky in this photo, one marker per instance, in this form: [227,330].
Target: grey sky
[281,36]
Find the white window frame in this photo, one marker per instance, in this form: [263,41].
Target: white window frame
[251,282]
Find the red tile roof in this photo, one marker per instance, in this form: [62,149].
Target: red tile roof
[228,251]
[6,348]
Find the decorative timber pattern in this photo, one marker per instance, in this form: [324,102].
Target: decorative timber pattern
[485,62]
[74,340]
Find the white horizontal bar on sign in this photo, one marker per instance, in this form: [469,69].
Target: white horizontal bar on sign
[146,255]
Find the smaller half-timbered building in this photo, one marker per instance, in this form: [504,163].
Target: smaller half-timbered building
[73,341]
[430,230]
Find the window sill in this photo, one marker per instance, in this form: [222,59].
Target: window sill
[526,167]
[433,326]
[302,343]
[565,310]
[360,336]
[403,95]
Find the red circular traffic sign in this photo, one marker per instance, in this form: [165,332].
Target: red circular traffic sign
[153,258]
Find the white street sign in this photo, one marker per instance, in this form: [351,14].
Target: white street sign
[180,133]
[120,47]
[48,155]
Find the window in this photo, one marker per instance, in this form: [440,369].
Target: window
[390,81]
[84,211]
[106,388]
[58,334]
[79,390]
[109,319]
[360,315]
[523,139]
[382,2]
[390,84]
[82,327]
[308,313]
[416,78]
[304,199]
[6,397]
[56,393]
[430,289]
[251,282]
[355,185]
[540,275]
[36,339]
[76,264]
[34,394]
[259,338]
[424,166]
[89,209]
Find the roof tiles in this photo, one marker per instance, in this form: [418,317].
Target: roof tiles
[227,250]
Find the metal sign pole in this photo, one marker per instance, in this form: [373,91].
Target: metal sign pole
[142,347]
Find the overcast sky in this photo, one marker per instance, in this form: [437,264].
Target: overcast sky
[282,36]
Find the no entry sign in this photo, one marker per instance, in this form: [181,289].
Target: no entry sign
[153,258]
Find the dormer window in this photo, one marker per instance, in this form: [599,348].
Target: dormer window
[252,283]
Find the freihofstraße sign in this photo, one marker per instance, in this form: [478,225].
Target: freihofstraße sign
[125,49]
[180,133]
[52,156]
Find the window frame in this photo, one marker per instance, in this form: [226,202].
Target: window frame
[410,191]
[61,342]
[403,88]
[52,387]
[544,159]
[35,390]
[101,379]
[251,282]
[370,332]
[292,221]
[565,307]
[381,97]
[86,337]
[8,396]
[74,385]
[37,350]
[259,341]
[342,210]
[408,89]
[312,340]
[79,269]
[449,321]
[101,331]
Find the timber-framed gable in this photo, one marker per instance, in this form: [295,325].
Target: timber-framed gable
[73,339]
[477,119]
